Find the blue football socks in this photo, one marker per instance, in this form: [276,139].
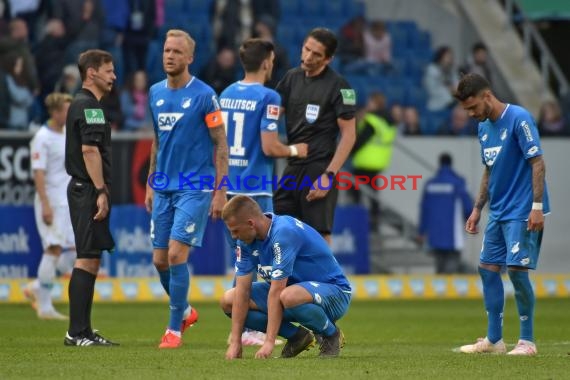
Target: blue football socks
[257,320]
[165,279]
[494,297]
[313,317]
[179,285]
[524,296]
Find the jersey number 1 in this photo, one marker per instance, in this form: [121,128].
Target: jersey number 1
[236,149]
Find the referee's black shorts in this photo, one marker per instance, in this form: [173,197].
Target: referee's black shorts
[290,197]
[91,237]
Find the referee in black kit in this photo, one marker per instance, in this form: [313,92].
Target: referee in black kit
[88,162]
[319,105]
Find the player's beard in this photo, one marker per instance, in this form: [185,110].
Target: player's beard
[174,70]
[488,111]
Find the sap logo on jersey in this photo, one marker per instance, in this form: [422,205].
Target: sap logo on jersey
[167,120]
[491,154]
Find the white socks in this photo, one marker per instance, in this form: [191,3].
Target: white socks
[46,275]
[66,262]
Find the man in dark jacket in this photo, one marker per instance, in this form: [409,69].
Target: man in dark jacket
[445,207]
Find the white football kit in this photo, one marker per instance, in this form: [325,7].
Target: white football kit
[48,154]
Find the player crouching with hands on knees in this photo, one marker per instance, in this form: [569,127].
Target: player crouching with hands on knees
[303,283]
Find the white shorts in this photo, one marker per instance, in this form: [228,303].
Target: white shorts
[60,232]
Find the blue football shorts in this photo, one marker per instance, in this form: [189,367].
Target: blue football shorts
[333,299]
[510,243]
[180,216]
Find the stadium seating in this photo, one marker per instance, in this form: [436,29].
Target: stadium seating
[435,122]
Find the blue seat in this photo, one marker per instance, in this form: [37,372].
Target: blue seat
[416,66]
[336,8]
[201,58]
[174,6]
[395,94]
[312,7]
[154,61]
[399,37]
[415,97]
[435,122]
[198,7]
[289,8]
[199,32]
[355,8]
[420,41]
[334,23]
[286,34]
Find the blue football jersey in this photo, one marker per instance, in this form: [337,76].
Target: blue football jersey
[506,145]
[292,250]
[249,109]
[181,120]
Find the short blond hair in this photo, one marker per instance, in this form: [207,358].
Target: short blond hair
[180,33]
[56,100]
[242,206]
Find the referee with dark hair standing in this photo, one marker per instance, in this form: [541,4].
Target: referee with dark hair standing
[319,105]
[88,162]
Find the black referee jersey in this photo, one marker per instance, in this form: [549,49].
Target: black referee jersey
[86,124]
[312,107]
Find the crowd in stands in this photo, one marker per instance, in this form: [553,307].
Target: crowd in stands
[41,39]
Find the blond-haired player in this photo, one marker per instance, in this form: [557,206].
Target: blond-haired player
[50,205]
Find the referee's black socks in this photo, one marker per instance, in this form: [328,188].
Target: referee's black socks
[81,290]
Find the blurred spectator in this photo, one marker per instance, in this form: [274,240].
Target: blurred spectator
[134,103]
[265,28]
[269,8]
[83,21]
[18,43]
[351,40]
[372,151]
[49,55]
[116,14]
[397,115]
[70,80]
[4,100]
[140,30]
[29,12]
[159,13]
[19,94]
[221,71]
[440,80]
[233,21]
[551,121]
[411,122]
[4,16]
[461,124]
[377,43]
[445,206]
[478,62]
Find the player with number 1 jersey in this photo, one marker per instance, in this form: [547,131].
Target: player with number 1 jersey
[248,110]
[251,113]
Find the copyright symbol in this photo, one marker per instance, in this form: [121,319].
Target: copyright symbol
[158,181]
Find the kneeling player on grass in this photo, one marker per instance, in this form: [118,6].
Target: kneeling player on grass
[304,283]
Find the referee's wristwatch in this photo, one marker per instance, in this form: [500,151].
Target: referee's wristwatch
[102,190]
[330,174]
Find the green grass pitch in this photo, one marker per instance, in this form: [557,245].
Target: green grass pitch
[385,340]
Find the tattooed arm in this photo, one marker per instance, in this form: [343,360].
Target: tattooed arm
[218,136]
[480,201]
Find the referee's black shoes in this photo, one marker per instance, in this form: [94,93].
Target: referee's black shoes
[93,339]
